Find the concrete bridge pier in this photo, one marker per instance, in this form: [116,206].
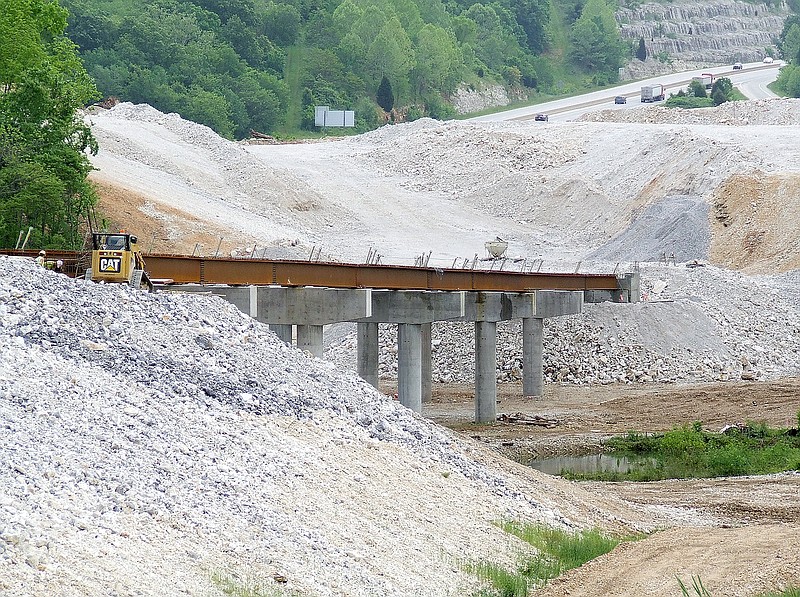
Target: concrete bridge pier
[485,371]
[532,352]
[486,309]
[367,352]
[413,311]
[284,331]
[426,363]
[549,303]
[409,365]
[309,337]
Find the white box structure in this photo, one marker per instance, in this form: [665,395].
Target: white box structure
[324,116]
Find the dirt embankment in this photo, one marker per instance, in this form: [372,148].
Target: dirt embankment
[756,223]
[161,228]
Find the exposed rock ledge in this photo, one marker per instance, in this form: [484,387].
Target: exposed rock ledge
[704,33]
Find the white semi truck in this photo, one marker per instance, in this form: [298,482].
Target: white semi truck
[653,93]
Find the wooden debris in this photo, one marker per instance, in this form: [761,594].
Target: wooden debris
[523,419]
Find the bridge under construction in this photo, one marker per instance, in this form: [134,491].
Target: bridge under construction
[297,299]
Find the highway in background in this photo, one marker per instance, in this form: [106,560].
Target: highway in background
[751,80]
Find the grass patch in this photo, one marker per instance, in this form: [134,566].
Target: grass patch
[790,592]
[688,101]
[691,452]
[557,552]
[231,584]
[697,588]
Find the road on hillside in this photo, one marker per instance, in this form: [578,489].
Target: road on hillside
[751,80]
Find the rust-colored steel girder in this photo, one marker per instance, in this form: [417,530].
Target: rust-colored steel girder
[202,270]
[205,270]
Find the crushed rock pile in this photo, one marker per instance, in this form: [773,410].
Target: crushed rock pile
[150,443]
[774,111]
[696,323]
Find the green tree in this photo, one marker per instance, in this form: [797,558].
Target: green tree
[89,26]
[789,39]
[391,55]
[282,24]
[697,89]
[789,80]
[722,91]
[384,96]
[596,44]
[43,139]
[438,65]
[534,16]
[641,51]
[210,108]
[493,42]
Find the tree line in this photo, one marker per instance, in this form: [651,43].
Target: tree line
[44,194]
[242,65]
[789,46]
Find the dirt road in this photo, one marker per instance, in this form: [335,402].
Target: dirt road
[739,535]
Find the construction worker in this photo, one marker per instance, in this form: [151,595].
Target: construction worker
[40,260]
[59,267]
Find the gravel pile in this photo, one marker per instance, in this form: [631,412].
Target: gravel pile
[752,112]
[694,324]
[150,443]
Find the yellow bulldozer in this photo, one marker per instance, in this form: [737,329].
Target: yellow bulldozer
[116,258]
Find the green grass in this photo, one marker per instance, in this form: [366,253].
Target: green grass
[691,452]
[291,74]
[557,552]
[697,588]
[234,586]
[688,101]
[790,592]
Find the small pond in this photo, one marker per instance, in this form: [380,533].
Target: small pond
[590,463]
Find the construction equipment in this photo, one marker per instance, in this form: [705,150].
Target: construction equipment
[116,258]
[496,248]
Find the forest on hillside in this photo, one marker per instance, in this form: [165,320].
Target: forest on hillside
[262,65]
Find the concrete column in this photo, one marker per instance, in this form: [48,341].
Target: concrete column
[485,371]
[426,362]
[253,300]
[283,331]
[409,365]
[367,350]
[532,350]
[309,337]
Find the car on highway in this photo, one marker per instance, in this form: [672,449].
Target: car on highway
[767,60]
[620,99]
[540,117]
[737,66]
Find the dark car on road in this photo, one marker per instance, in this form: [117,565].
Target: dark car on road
[620,99]
[541,117]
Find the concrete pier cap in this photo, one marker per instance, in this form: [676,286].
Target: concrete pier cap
[557,303]
[415,306]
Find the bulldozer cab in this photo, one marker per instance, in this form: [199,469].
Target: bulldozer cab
[116,258]
[112,242]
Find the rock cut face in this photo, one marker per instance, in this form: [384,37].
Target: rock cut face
[711,32]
